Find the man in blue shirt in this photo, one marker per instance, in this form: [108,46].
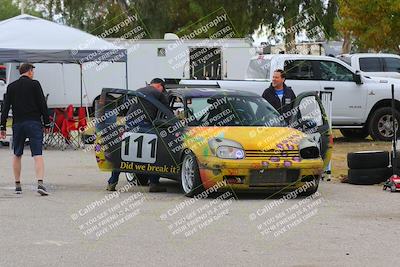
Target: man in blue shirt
[278,94]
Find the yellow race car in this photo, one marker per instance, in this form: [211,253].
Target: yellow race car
[213,138]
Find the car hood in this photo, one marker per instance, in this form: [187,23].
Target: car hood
[250,138]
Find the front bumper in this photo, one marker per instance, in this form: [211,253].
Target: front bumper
[240,174]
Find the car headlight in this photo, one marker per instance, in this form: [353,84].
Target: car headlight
[226,148]
[228,152]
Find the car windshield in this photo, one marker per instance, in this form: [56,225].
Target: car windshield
[232,111]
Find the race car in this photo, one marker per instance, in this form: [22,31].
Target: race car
[209,136]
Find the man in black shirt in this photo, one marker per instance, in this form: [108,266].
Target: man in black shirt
[156,90]
[278,94]
[25,97]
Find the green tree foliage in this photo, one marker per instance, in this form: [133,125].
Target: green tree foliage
[373,24]
[177,16]
[10,8]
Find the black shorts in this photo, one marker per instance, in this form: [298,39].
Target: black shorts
[33,130]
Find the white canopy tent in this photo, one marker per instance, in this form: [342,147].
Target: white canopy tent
[26,38]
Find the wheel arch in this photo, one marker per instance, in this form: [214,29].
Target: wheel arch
[381,104]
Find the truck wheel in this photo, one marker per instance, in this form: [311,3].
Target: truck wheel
[380,126]
[355,133]
[368,159]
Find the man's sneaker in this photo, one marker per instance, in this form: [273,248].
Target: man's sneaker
[18,190]
[42,190]
[111,187]
[155,188]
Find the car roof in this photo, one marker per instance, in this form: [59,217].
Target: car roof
[209,92]
[290,56]
[370,55]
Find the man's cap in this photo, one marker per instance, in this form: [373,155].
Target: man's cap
[25,67]
[158,80]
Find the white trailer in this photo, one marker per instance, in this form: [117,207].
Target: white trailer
[164,58]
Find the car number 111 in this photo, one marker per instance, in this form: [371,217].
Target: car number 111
[139,147]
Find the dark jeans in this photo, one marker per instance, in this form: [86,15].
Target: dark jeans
[154,179]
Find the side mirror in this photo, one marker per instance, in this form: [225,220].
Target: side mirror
[357,77]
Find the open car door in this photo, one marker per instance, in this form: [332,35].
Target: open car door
[310,118]
[124,144]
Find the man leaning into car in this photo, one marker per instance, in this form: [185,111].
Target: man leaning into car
[156,89]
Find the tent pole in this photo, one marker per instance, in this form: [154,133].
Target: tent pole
[80,67]
[126,73]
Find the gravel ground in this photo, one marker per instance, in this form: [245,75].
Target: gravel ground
[80,224]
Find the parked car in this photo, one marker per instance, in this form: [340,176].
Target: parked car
[361,104]
[374,65]
[219,136]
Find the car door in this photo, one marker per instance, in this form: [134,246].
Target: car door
[130,147]
[349,98]
[309,111]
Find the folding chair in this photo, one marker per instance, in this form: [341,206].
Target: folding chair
[55,137]
[75,127]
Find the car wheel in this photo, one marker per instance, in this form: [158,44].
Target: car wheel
[355,133]
[135,179]
[190,176]
[369,159]
[311,190]
[380,126]
[368,176]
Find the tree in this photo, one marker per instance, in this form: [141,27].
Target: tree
[373,24]
[10,8]
[286,18]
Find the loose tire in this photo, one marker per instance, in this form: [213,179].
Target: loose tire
[368,159]
[368,176]
[190,176]
[380,124]
[355,133]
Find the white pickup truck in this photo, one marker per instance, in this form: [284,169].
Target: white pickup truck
[361,104]
[374,64]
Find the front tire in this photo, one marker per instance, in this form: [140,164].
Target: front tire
[380,126]
[311,190]
[137,180]
[190,176]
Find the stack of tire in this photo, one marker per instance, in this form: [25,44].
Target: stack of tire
[368,167]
